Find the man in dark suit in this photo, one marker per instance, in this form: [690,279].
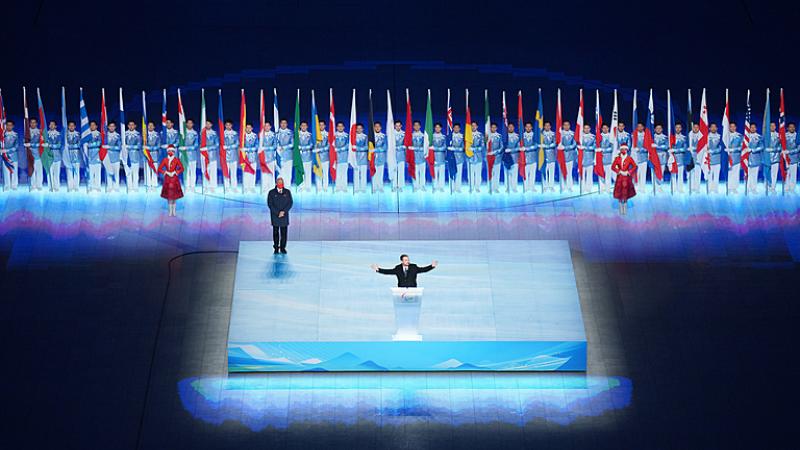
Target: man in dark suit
[279,201]
[405,271]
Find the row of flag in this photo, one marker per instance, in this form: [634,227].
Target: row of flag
[538,127]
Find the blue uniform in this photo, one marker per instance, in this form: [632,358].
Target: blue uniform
[774,151]
[756,147]
[589,143]
[133,142]
[285,139]
[381,145]
[478,148]
[55,143]
[93,147]
[714,149]
[321,147]
[497,148]
[362,149]
[153,145]
[74,148]
[457,147]
[114,146]
[305,145]
[418,145]
[607,148]
[36,134]
[212,145]
[341,143]
[231,146]
[661,144]
[623,140]
[512,147]
[399,145]
[269,142]
[170,136]
[734,148]
[792,147]
[569,145]
[191,143]
[531,148]
[681,150]
[549,146]
[251,148]
[439,143]
[10,145]
[639,153]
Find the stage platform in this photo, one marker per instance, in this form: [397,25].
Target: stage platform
[489,305]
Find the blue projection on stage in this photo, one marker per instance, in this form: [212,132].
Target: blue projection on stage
[499,305]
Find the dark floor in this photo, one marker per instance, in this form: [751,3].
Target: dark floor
[95,350]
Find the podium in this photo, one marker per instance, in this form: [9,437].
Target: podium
[407,305]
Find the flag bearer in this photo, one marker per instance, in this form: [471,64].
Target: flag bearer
[549,149]
[285,140]
[153,146]
[37,177]
[495,142]
[512,150]
[92,147]
[754,159]
[640,155]
[133,141]
[570,155]
[734,150]
[231,140]
[212,148]
[793,153]
[55,143]
[589,144]
[772,160]
[439,143]
[661,144]
[10,159]
[607,149]
[268,145]
[476,160]
[251,159]
[418,146]
[381,146]
[457,147]
[400,157]
[305,145]
[681,154]
[714,158]
[191,143]
[74,148]
[694,175]
[323,158]
[531,158]
[342,145]
[362,162]
[113,146]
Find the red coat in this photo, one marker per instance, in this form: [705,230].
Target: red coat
[171,190]
[623,188]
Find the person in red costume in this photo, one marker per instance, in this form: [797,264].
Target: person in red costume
[171,168]
[625,167]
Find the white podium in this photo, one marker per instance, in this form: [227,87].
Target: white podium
[407,304]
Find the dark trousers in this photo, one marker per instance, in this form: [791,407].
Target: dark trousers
[279,237]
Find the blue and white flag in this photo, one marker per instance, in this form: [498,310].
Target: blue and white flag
[65,156]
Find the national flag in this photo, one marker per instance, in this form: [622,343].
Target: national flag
[163,119]
[221,121]
[145,150]
[634,132]
[45,153]
[450,156]
[391,147]
[487,130]
[598,131]
[316,136]
[702,143]
[297,160]
[123,153]
[726,123]
[86,133]
[27,135]
[275,120]
[428,139]
[262,129]
[6,159]
[520,128]
[672,162]
[182,153]
[538,126]
[331,138]
[746,138]
[203,134]
[505,158]
[614,127]
[560,156]
[351,155]
[408,140]
[579,134]
[243,162]
[65,155]
[649,143]
[468,139]
[767,137]
[371,138]
[690,124]
[103,128]
[781,132]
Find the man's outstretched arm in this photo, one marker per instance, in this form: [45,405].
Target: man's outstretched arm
[429,267]
[381,270]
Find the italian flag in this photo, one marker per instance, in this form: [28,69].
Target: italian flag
[428,144]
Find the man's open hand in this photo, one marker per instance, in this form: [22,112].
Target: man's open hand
[374,267]
[281,213]
[434,263]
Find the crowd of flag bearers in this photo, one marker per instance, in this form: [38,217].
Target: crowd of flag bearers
[512,155]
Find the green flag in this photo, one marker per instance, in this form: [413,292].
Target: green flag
[428,145]
[299,172]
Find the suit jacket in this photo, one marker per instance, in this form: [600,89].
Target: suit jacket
[408,279]
[278,202]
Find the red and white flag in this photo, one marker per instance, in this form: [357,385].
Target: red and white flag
[726,124]
[262,125]
[579,135]
[598,134]
[746,139]
[562,162]
[332,138]
[103,127]
[408,141]
[782,133]
[351,155]
[520,129]
[702,144]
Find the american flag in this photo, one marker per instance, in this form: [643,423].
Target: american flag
[746,139]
